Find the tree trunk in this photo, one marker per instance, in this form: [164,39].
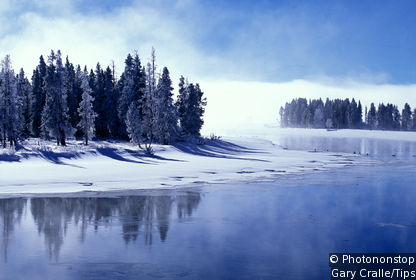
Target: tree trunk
[63,141]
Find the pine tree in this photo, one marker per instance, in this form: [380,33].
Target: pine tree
[86,111]
[181,100]
[131,86]
[24,89]
[414,119]
[99,103]
[319,117]
[148,104]
[37,98]
[71,91]
[283,122]
[133,123]
[396,118]
[10,119]
[166,120]
[192,110]
[55,118]
[358,117]
[110,104]
[406,117]
[372,117]
[77,97]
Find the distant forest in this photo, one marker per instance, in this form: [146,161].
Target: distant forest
[338,114]
[62,100]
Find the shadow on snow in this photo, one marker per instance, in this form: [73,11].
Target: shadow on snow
[210,148]
[218,149]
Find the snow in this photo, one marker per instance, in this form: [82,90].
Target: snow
[41,167]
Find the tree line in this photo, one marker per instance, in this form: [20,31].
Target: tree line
[63,100]
[339,114]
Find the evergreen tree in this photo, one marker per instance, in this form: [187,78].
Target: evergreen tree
[193,105]
[414,119]
[283,121]
[37,98]
[166,120]
[55,118]
[23,92]
[181,100]
[131,86]
[86,112]
[72,92]
[133,123]
[318,118]
[11,124]
[110,105]
[148,104]
[60,97]
[396,118]
[372,117]
[358,117]
[406,117]
[99,103]
[77,97]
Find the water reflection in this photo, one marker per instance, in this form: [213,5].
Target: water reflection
[142,214]
[377,147]
[11,211]
[283,230]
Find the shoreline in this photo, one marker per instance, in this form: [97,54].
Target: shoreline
[43,169]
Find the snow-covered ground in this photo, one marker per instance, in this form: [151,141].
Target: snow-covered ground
[41,167]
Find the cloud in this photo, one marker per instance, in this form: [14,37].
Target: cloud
[91,38]
[246,40]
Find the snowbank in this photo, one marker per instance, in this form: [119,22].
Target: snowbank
[41,167]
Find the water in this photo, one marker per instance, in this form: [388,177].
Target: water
[282,230]
[380,148]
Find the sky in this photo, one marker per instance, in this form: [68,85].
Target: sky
[258,45]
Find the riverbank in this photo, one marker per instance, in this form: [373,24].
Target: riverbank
[41,167]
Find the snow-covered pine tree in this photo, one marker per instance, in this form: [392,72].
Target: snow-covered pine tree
[55,118]
[85,110]
[134,123]
[71,91]
[191,109]
[110,105]
[77,96]
[37,98]
[414,119]
[166,120]
[24,88]
[318,117]
[372,117]
[359,115]
[406,117]
[181,100]
[10,120]
[396,118]
[131,86]
[148,104]
[99,103]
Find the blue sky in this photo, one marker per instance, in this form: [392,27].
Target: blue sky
[266,41]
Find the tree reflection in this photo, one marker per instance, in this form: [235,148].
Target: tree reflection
[136,215]
[11,211]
